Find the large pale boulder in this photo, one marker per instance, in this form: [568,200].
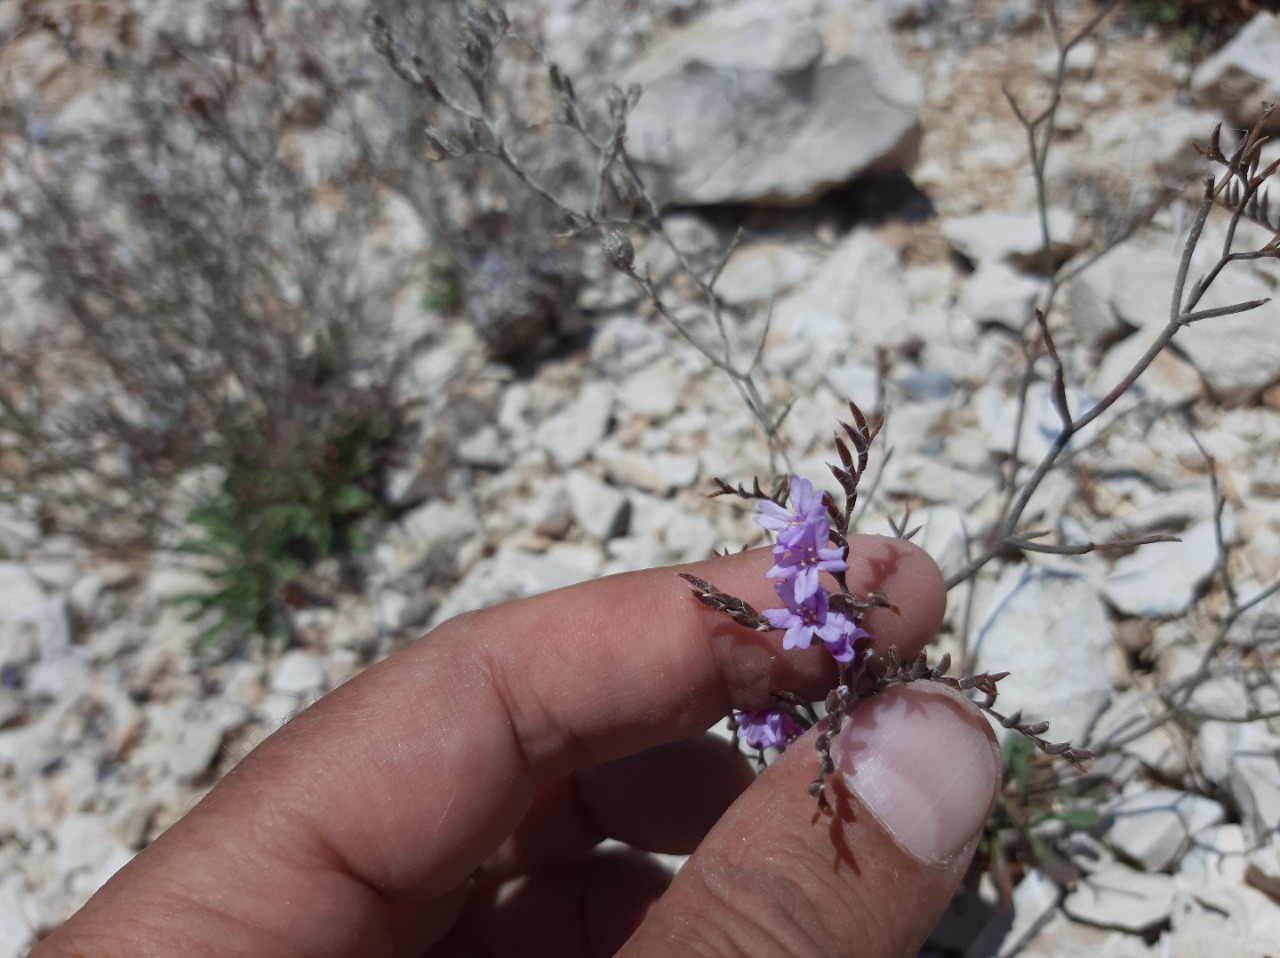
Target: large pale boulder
[761,103]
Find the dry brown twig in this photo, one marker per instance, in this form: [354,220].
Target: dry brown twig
[1238,188]
[618,202]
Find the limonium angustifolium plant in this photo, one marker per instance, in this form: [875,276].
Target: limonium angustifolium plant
[811,532]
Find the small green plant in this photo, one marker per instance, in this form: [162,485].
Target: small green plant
[266,525]
[1034,793]
[444,288]
[1196,26]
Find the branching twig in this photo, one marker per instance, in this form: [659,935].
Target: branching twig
[483,134]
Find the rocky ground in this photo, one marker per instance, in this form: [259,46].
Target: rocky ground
[906,294]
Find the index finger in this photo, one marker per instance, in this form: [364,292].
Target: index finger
[443,745]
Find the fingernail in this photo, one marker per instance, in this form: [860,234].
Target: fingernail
[922,762]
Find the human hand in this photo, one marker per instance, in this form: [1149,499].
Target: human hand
[447,801]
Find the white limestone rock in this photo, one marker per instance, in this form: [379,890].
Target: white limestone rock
[89,851]
[1168,382]
[1246,921]
[1035,901]
[550,512]
[1163,579]
[1080,61]
[760,272]
[512,573]
[600,509]
[1154,827]
[485,448]
[623,345]
[1049,630]
[839,314]
[1008,238]
[1119,897]
[16,925]
[655,391]
[1041,423]
[762,103]
[857,382]
[298,672]
[999,294]
[1263,866]
[570,433]
[425,538]
[1160,750]
[22,601]
[1063,938]
[1244,73]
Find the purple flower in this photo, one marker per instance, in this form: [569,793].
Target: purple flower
[804,618]
[769,728]
[844,648]
[807,511]
[802,561]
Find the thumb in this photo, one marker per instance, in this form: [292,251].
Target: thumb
[917,772]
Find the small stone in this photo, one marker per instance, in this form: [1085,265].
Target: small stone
[83,595]
[1035,901]
[1255,785]
[690,539]
[1217,858]
[627,467]
[1063,938]
[1244,73]
[1009,238]
[21,598]
[298,673]
[570,433]
[1017,16]
[1263,867]
[513,573]
[19,531]
[1202,934]
[550,512]
[397,610]
[1080,61]
[1160,750]
[837,314]
[1213,873]
[624,345]
[1154,827]
[88,851]
[1180,568]
[600,509]
[762,271]
[1088,307]
[857,382]
[1121,898]
[674,470]
[485,448]
[1168,382]
[655,391]
[996,293]
[631,553]
[17,929]
[426,539]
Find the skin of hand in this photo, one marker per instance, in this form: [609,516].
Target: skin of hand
[448,800]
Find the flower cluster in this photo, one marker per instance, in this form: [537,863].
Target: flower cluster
[802,550]
[812,537]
